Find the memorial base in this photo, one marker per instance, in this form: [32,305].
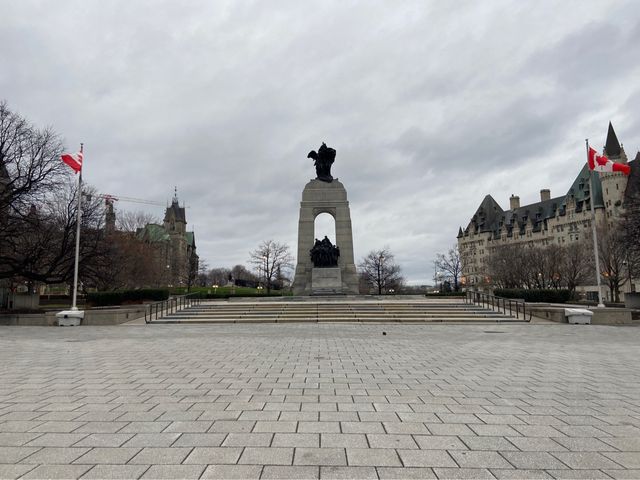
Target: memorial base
[326,281]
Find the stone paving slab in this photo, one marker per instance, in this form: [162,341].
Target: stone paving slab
[320,401]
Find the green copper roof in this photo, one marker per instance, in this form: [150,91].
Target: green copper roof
[153,233]
[580,188]
[191,240]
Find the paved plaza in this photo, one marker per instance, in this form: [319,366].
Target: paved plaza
[320,401]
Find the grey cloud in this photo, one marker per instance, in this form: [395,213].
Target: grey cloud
[430,106]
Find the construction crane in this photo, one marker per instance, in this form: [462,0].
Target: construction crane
[108,198]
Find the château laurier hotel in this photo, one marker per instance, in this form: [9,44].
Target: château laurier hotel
[560,220]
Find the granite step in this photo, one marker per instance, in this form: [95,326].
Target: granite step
[335,311]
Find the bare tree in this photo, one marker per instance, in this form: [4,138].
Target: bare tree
[576,266]
[31,174]
[130,221]
[270,260]
[631,230]
[451,265]
[43,249]
[240,274]
[192,272]
[221,275]
[136,263]
[505,265]
[203,273]
[613,257]
[543,266]
[379,270]
[530,266]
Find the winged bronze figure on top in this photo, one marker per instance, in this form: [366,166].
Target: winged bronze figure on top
[323,160]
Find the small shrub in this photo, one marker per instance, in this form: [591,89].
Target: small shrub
[535,295]
[446,294]
[219,295]
[103,299]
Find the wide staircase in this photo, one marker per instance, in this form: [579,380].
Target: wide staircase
[415,311]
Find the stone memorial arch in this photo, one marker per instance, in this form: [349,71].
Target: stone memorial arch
[325,194]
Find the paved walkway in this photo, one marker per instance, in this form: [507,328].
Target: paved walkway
[320,400]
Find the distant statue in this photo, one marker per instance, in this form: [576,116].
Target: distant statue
[323,160]
[324,253]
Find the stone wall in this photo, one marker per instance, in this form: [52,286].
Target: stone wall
[111,316]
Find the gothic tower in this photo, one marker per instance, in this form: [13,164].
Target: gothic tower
[109,217]
[175,224]
[614,184]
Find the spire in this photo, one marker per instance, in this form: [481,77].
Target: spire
[175,194]
[612,146]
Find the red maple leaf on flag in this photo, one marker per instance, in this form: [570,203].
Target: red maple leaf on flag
[602,160]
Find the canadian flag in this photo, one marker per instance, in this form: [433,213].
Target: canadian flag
[600,163]
[74,160]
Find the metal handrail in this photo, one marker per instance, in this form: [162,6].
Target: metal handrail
[153,311]
[512,306]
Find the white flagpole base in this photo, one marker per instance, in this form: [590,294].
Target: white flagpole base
[601,305]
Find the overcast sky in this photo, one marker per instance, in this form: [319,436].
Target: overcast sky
[430,106]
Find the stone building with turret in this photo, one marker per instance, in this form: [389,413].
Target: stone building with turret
[560,220]
[174,245]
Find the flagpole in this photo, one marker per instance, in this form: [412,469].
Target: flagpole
[75,270]
[593,229]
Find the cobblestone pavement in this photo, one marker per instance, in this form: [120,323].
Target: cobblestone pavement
[320,400]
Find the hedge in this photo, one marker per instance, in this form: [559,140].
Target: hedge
[102,299]
[446,294]
[535,295]
[205,295]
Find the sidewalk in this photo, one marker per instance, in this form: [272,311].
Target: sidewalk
[320,400]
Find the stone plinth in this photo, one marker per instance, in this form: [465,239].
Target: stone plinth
[322,197]
[326,281]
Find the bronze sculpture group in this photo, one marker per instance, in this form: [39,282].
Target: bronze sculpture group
[324,253]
